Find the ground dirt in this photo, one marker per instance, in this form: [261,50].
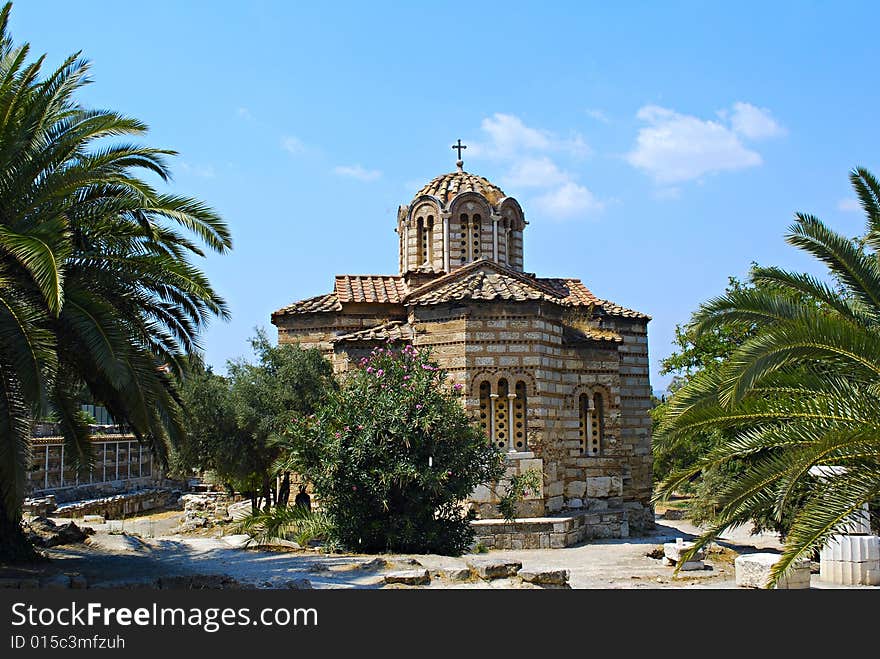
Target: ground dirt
[140,550]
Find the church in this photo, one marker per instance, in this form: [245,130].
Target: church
[556,376]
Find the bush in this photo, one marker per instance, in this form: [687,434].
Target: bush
[392,455]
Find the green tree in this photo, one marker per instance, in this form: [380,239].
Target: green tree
[97,292]
[696,353]
[234,421]
[393,455]
[804,391]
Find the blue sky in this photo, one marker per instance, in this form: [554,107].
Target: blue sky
[657,148]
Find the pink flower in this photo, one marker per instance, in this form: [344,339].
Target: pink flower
[406,377]
[380,373]
[354,488]
[419,406]
[347,429]
[457,387]
[338,435]
[369,369]
[360,427]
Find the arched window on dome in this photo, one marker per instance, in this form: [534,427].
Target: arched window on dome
[503,240]
[475,238]
[420,241]
[429,240]
[463,234]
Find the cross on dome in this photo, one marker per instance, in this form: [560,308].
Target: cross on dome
[458,147]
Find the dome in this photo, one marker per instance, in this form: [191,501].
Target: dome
[447,186]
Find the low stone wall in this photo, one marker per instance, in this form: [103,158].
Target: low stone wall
[551,532]
[117,506]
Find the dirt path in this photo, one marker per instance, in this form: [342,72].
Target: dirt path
[114,559]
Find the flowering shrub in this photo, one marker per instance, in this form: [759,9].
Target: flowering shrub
[392,454]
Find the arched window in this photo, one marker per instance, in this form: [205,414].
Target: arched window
[475,241]
[592,423]
[463,250]
[501,418]
[503,414]
[598,428]
[486,408]
[420,241]
[429,240]
[520,442]
[583,420]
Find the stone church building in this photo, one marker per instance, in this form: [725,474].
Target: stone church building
[556,376]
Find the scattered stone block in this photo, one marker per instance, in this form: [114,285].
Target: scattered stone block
[691,566]
[298,584]
[545,577]
[93,519]
[238,541]
[851,560]
[673,552]
[43,532]
[409,577]
[458,574]
[489,569]
[753,571]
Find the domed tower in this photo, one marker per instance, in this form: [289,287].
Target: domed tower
[456,219]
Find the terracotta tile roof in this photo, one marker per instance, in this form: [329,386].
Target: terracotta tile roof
[396,330]
[575,335]
[447,186]
[476,283]
[574,293]
[479,280]
[370,288]
[317,304]
[613,309]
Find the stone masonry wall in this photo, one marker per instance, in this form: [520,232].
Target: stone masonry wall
[524,342]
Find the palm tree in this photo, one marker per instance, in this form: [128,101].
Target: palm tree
[803,392]
[96,288]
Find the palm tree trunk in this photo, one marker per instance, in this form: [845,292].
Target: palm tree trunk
[14,546]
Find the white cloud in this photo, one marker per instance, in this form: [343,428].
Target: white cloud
[510,137]
[849,205]
[676,147]
[753,122]
[357,172]
[292,144]
[529,159]
[244,113]
[568,200]
[534,173]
